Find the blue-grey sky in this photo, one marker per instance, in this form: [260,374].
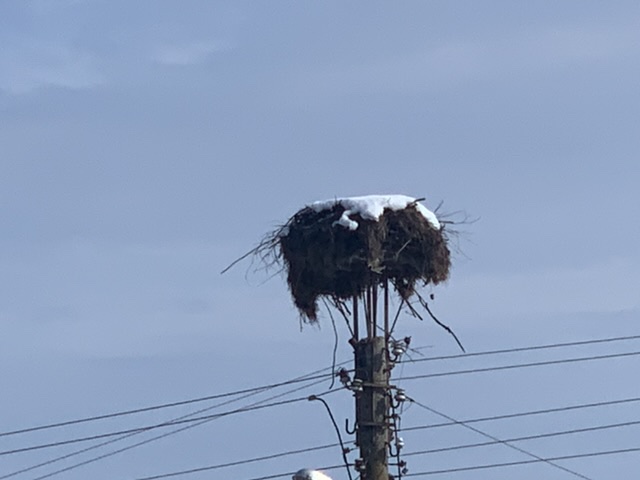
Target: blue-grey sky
[145,145]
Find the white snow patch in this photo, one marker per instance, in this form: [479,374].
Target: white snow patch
[370,207]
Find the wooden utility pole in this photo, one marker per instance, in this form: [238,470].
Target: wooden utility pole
[372,402]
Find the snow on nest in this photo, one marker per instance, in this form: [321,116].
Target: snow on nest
[370,207]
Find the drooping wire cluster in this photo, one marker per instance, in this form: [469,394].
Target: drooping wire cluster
[399,401]
[510,442]
[184,422]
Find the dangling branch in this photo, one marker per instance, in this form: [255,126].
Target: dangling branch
[395,319]
[426,307]
[335,344]
[413,311]
[344,311]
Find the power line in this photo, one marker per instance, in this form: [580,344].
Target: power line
[521,365]
[526,438]
[149,440]
[297,380]
[258,389]
[240,462]
[253,406]
[202,421]
[523,462]
[148,428]
[525,414]
[312,376]
[525,349]
[503,442]
[289,474]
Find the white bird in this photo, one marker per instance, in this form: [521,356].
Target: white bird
[306,474]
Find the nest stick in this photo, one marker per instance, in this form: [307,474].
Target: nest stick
[341,308]
[343,305]
[402,248]
[238,260]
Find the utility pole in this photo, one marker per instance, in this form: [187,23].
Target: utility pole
[372,369]
[372,407]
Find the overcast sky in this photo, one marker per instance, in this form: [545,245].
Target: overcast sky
[146,145]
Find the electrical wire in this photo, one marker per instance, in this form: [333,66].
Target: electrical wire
[522,462]
[526,438]
[297,380]
[149,440]
[312,376]
[422,452]
[240,462]
[525,349]
[204,420]
[526,414]
[333,445]
[503,442]
[520,365]
[289,474]
[148,428]
[335,425]
[158,437]
[145,428]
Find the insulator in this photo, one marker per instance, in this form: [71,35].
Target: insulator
[400,396]
[359,464]
[399,443]
[356,385]
[398,349]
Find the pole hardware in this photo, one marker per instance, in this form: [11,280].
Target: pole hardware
[356,385]
[347,429]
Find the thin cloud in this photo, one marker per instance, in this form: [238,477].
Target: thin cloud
[447,65]
[25,67]
[191,54]
[607,287]
[44,7]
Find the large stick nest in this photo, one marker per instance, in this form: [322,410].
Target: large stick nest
[323,258]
